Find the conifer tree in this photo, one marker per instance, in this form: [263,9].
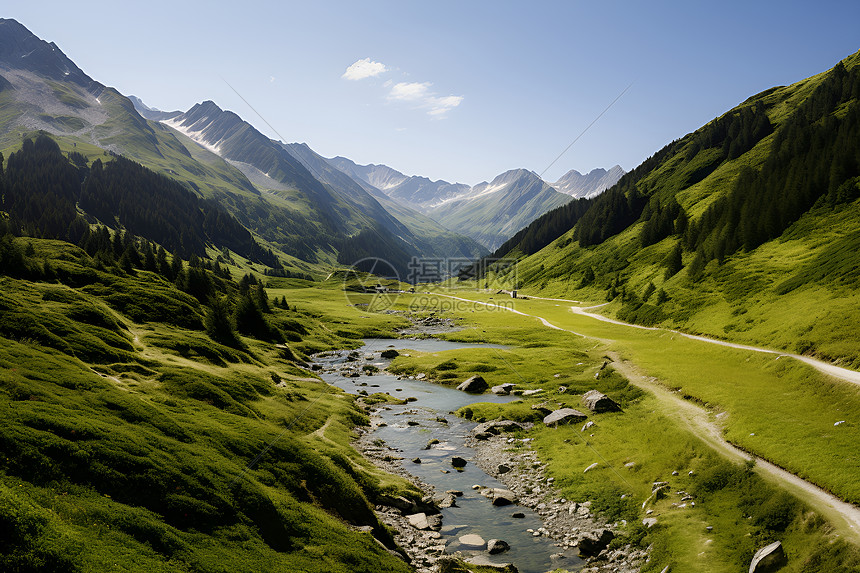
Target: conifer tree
[263,299]
[218,325]
[673,261]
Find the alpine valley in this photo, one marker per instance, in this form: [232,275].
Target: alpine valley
[215,354]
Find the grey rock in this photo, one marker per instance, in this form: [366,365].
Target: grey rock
[503,497]
[448,501]
[390,353]
[496,426]
[769,558]
[496,546]
[474,385]
[398,502]
[599,402]
[458,462]
[472,541]
[502,389]
[486,563]
[503,469]
[593,543]
[418,521]
[532,392]
[649,522]
[563,416]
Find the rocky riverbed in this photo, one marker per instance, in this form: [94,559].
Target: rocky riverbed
[569,523]
[424,547]
[544,515]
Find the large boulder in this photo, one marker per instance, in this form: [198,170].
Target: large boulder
[502,389]
[502,497]
[390,353]
[593,543]
[599,402]
[564,416]
[424,522]
[496,426]
[496,546]
[769,558]
[473,385]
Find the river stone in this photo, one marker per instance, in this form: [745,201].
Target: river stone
[390,353]
[458,462]
[398,502]
[502,389]
[599,402]
[564,416]
[593,543]
[452,529]
[419,521]
[472,541]
[768,558]
[518,515]
[474,385]
[496,546]
[503,497]
[485,562]
[416,460]
[503,469]
[496,426]
[447,501]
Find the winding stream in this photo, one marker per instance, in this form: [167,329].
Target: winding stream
[474,513]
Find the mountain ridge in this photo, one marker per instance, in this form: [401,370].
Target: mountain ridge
[481,211]
[728,227]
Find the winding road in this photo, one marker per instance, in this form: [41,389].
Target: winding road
[844,516]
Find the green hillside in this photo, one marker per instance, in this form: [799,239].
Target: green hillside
[746,229]
[130,435]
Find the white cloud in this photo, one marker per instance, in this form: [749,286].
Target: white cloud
[365,68]
[419,93]
[271,79]
[409,91]
[439,106]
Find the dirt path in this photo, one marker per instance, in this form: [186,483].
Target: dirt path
[543,321]
[701,423]
[844,374]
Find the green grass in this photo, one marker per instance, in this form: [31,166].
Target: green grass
[130,441]
[789,406]
[784,403]
[137,443]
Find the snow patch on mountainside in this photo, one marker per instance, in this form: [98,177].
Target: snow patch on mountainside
[195,136]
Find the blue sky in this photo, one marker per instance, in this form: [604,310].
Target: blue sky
[462,90]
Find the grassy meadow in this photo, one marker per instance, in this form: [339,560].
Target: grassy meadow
[129,436]
[649,441]
[144,444]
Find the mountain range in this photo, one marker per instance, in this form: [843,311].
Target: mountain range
[299,203]
[489,212]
